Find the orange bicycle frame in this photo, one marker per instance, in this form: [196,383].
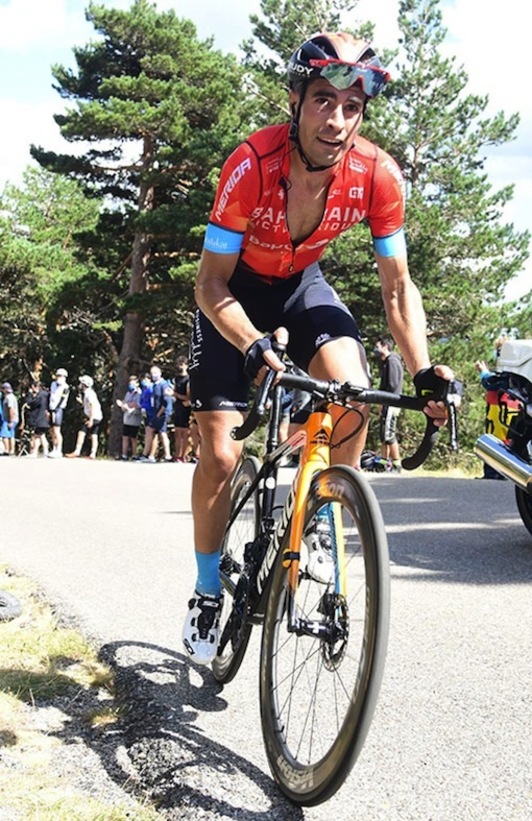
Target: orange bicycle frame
[314,438]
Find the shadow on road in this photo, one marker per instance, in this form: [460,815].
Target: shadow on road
[455,530]
[165,753]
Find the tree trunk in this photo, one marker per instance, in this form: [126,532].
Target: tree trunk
[130,353]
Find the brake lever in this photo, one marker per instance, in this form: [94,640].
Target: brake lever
[423,451]
[259,406]
[257,411]
[429,439]
[453,426]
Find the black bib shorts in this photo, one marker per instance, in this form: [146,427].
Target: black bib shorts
[304,304]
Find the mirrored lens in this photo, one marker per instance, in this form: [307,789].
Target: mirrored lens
[343,76]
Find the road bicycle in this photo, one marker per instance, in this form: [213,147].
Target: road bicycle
[314,572]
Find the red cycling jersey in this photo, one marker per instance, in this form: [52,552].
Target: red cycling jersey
[249,212]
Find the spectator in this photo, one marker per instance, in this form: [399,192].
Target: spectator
[488,377]
[37,402]
[391,379]
[10,413]
[181,414]
[145,397]
[132,417]
[92,411]
[157,421]
[145,407]
[59,393]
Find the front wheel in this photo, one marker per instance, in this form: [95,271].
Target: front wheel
[319,683]
[524,505]
[234,629]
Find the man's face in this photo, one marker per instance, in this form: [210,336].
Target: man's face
[329,121]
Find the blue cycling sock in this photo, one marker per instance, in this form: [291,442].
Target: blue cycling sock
[208,582]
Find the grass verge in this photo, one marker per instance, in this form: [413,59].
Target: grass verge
[55,697]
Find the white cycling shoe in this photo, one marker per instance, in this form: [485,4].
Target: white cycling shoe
[201,631]
[320,565]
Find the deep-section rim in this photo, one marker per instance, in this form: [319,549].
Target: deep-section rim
[225,668]
[314,783]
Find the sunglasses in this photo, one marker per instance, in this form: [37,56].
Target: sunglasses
[342,75]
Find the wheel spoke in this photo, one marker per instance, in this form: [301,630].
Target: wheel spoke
[316,689]
[243,530]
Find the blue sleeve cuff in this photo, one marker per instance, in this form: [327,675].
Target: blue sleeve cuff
[221,240]
[392,246]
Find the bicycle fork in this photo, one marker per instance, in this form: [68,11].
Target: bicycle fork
[316,457]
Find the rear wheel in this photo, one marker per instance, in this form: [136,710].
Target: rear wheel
[319,683]
[234,630]
[524,505]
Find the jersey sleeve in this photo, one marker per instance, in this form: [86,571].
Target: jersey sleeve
[386,214]
[238,191]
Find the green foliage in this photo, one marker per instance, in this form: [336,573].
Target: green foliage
[40,260]
[285,25]
[159,109]
[98,259]
[461,254]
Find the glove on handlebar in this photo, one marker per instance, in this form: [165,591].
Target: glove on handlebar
[430,386]
[254,359]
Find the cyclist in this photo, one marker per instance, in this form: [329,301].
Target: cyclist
[283,195]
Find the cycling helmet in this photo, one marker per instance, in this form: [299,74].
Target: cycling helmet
[86,381]
[341,59]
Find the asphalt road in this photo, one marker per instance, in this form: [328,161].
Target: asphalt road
[451,738]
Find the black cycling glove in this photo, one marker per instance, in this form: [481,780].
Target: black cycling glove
[254,359]
[430,386]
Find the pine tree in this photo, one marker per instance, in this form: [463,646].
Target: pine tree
[461,253]
[158,108]
[40,261]
[287,24]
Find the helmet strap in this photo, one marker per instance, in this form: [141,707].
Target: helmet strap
[309,167]
[296,113]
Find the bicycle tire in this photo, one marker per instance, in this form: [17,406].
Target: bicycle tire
[243,530]
[524,506]
[10,607]
[318,697]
